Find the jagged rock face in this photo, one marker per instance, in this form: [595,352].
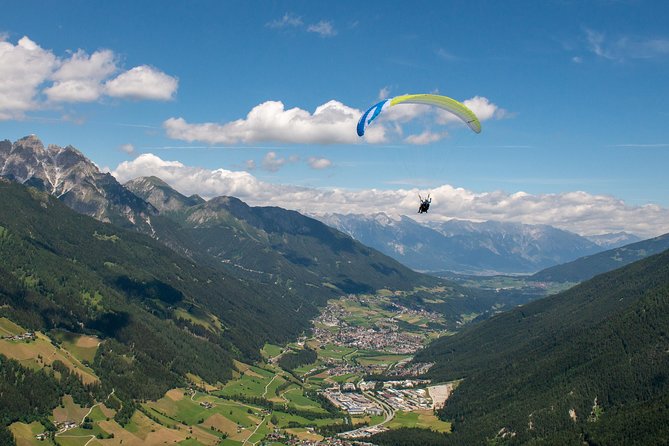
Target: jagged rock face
[67,174]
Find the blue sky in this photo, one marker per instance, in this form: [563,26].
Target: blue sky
[572,95]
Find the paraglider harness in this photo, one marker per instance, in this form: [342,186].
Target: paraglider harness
[424,204]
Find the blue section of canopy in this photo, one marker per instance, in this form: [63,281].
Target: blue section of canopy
[374,110]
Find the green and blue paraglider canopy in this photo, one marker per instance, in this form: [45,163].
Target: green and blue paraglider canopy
[457,108]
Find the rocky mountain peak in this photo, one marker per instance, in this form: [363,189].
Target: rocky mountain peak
[70,176]
[30,142]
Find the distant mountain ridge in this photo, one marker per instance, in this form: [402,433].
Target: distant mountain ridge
[587,267]
[613,240]
[464,246]
[277,244]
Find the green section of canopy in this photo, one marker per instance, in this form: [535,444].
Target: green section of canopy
[457,108]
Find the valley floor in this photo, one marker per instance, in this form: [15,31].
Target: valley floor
[358,381]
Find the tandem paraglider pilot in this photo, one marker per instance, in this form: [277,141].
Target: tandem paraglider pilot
[424,204]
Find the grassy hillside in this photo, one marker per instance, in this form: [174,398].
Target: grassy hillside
[589,364]
[587,267]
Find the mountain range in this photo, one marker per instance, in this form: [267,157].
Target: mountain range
[471,248]
[176,286]
[268,245]
[275,245]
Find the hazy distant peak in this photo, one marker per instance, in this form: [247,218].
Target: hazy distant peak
[613,240]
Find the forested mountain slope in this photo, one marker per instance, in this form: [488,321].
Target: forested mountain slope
[60,269]
[277,245]
[590,364]
[587,267]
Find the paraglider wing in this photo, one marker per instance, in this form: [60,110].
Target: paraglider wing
[457,108]
[370,115]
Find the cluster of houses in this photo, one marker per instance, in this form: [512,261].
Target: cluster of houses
[406,369]
[292,440]
[27,336]
[353,403]
[363,432]
[61,426]
[66,425]
[406,399]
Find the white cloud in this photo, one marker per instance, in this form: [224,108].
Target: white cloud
[576,211]
[79,79]
[143,82]
[23,68]
[127,148]
[250,165]
[289,20]
[331,123]
[211,183]
[80,65]
[74,91]
[324,28]
[319,163]
[272,162]
[384,93]
[427,137]
[32,78]
[482,108]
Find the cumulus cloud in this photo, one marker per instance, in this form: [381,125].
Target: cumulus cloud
[576,211]
[482,108]
[289,20]
[272,162]
[331,123]
[32,78]
[323,28]
[427,137]
[23,69]
[319,163]
[143,82]
[79,78]
[127,148]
